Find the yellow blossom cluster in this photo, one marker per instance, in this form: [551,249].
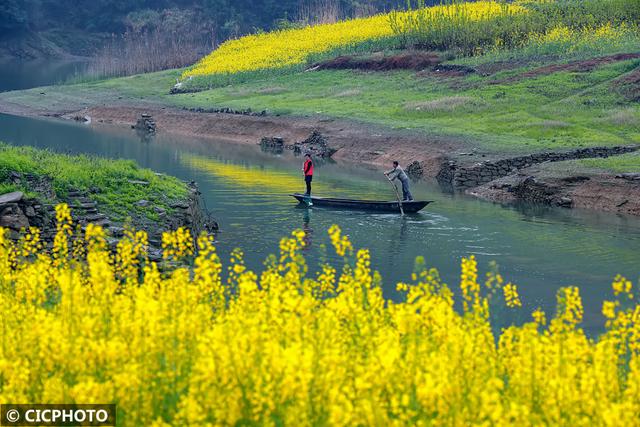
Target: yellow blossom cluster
[177,244]
[590,36]
[282,49]
[185,345]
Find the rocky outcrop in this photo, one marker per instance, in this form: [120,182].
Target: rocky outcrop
[18,213]
[464,177]
[145,125]
[600,191]
[274,145]
[316,144]
[415,170]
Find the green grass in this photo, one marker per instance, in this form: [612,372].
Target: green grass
[116,195]
[559,110]
[620,164]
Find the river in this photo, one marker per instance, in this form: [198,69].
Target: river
[17,75]
[540,249]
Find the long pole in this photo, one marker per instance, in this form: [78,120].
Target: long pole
[397,194]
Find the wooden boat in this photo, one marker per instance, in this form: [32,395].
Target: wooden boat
[365,205]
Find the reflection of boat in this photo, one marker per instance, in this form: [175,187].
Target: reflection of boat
[365,205]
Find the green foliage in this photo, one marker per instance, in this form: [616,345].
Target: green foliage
[458,31]
[627,163]
[114,179]
[229,18]
[13,15]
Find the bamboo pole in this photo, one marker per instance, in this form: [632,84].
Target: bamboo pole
[397,194]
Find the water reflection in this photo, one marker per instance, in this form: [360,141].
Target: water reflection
[16,75]
[540,249]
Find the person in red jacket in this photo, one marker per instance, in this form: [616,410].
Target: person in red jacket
[307,169]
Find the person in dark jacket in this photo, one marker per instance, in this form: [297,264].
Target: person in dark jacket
[307,169]
[398,173]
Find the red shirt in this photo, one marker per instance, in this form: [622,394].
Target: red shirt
[308,167]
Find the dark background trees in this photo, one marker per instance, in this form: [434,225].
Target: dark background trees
[110,16]
[51,28]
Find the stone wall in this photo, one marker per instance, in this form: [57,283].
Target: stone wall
[463,177]
[18,213]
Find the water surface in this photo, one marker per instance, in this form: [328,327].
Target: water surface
[540,249]
[17,75]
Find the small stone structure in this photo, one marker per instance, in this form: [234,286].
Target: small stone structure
[415,170]
[274,145]
[145,124]
[225,110]
[316,144]
[18,213]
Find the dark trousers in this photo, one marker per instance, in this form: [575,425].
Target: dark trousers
[406,194]
[307,180]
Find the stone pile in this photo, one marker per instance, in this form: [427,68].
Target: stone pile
[274,145]
[247,112]
[145,124]
[415,170]
[316,144]
[629,176]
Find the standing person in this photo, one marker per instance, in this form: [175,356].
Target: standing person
[307,169]
[398,173]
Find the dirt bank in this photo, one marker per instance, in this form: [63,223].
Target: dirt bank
[354,142]
[606,192]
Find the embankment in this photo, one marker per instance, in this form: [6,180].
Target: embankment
[109,193]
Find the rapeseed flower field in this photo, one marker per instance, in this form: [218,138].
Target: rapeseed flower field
[295,47]
[182,343]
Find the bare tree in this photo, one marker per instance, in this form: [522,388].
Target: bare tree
[172,41]
[320,11]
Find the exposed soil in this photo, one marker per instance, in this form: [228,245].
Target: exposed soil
[605,192]
[354,142]
[447,70]
[629,85]
[404,61]
[577,66]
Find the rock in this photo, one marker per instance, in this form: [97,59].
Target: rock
[565,202]
[145,125]
[95,217]
[30,212]
[415,171]
[15,221]
[136,182]
[14,197]
[629,176]
[273,144]
[142,203]
[117,231]
[316,145]
[180,205]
